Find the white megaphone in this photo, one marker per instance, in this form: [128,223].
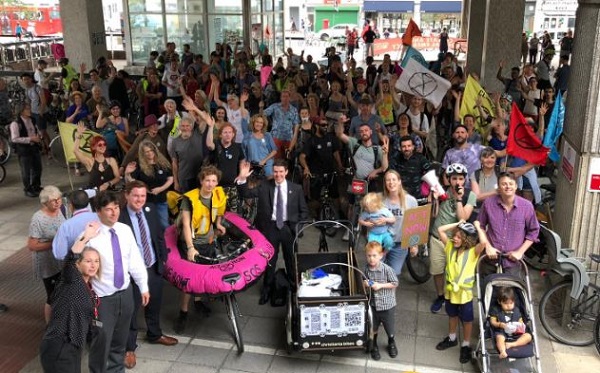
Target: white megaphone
[434,183]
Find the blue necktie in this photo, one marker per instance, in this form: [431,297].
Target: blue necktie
[119,278]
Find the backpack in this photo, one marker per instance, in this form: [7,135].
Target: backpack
[279,294]
[376,163]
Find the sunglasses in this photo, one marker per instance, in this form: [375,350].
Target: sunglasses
[100,144]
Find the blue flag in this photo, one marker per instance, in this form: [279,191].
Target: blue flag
[415,55]
[555,128]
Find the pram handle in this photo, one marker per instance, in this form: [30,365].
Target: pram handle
[498,261]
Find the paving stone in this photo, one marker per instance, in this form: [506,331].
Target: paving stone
[432,325]
[248,362]
[427,355]
[191,368]
[200,355]
[293,365]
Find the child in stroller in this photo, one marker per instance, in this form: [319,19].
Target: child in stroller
[509,328]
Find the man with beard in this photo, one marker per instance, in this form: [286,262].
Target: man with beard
[319,158]
[151,134]
[187,156]
[463,152]
[411,166]
[368,160]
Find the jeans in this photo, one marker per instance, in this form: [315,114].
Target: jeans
[396,257]
[163,214]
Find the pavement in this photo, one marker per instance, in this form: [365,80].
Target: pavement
[207,345]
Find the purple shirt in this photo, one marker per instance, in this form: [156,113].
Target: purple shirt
[507,231]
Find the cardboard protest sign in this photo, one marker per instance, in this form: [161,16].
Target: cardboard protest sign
[415,227]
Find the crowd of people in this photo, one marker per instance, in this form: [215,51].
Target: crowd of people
[257,136]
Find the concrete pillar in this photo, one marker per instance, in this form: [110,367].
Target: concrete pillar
[577,211]
[464,19]
[417,12]
[495,29]
[83,30]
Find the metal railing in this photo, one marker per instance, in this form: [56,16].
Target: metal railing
[27,50]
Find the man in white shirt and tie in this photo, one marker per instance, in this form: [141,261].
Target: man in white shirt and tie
[281,205]
[120,259]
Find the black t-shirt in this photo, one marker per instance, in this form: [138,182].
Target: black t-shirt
[161,174]
[228,160]
[319,153]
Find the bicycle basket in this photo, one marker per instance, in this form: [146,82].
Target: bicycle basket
[359,187]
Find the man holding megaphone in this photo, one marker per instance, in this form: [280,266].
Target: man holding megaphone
[458,205]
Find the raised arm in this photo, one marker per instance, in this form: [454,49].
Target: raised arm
[339,129]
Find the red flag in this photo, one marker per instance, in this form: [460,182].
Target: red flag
[411,31]
[522,141]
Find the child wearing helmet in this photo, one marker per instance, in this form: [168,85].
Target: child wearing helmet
[458,205]
[462,252]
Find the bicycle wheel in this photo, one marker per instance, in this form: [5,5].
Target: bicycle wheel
[418,266]
[327,212]
[57,151]
[2,173]
[6,150]
[597,333]
[570,321]
[233,314]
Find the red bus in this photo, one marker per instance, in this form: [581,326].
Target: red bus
[35,20]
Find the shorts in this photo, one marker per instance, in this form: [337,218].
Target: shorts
[463,311]
[385,239]
[387,318]
[50,284]
[437,255]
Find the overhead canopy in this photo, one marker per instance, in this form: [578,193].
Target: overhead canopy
[388,6]
[441,6]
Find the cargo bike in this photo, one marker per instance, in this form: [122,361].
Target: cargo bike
[318,321]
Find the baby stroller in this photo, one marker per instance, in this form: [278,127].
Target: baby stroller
[520,359]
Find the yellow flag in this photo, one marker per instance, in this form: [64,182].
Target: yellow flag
[68,132]
[468,105]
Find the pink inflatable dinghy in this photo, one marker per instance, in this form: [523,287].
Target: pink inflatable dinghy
[195,278]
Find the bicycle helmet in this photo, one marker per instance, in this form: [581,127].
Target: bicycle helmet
[468,228]
[456,169]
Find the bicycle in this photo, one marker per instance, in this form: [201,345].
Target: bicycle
[418,264]
[326,213]
[569,309]
[597,333]
[5,146]
[537,255]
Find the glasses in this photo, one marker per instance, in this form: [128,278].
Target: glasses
[101,144]
[55,200]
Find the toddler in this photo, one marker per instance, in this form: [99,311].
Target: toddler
[378,220]
[509,329]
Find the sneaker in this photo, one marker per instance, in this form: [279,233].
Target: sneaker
[202,308]
[446,343]
[392,349]
[437,305]
[179,326]
[346,236]
[465,354]
[375,355]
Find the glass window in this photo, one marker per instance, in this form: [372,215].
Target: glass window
[255,7]
[277,29]
[187,29]
[228,29]
[278,4]
[571,22]
[146,35]
[225,6]
[139,6]
[268,5]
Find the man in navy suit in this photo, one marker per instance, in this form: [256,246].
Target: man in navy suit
[143,220]
[281,205]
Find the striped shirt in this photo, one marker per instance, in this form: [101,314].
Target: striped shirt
[383,299]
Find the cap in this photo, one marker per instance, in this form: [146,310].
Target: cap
[150,120]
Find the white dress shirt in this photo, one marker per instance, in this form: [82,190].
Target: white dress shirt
[284,192]
[133,264]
